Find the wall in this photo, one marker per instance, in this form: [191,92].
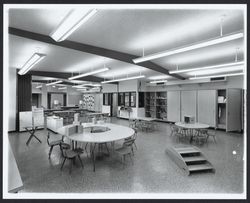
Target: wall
[73,96]
[108,88]
[12,99]
[128,86]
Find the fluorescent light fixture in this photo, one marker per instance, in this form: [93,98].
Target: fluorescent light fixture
[81,86]
[207,67]
[123,79]
[71,23]
[62,88]
[215,76]
[89,73]
[202,44]
[158,81]
[53,83]
[216,71]
[33,60]
[39,86]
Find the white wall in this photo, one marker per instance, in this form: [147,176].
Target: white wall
[12,99]
[128,86]
[73,96]
[108,88]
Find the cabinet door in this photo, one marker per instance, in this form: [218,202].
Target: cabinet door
[188,104]
[233,115]
[173,107]
[207,107]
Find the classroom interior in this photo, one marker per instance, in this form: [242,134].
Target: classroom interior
[125,101]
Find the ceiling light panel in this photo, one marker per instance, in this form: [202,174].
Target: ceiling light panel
[31,62]
[215,71]
[71,23]
[53,83]
[124,79]
[89,73]
[206,67]
[158,77]
[198,45]
[216,76]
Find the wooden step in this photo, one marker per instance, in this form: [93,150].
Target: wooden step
[194,159]
[200,167]
[188,151]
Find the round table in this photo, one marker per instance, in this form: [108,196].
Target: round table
[114,133]
[192,126]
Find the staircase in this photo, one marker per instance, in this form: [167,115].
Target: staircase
[190,159]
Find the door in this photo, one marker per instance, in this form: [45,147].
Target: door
[233,112]
[114,104]
[207,107]
[173,106]
[188,104]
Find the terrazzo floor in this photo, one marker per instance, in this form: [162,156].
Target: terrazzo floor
[152,171]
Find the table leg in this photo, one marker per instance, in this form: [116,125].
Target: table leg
[93,156]
[32,134]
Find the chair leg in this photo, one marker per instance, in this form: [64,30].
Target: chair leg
[80,160]
[50,150]
[86,149]
[135,146]
[131,158]
[63,163]
[107,147]
[214,139]
[71,163]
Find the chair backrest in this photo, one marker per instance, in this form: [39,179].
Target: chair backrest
[129,142]
[135,134]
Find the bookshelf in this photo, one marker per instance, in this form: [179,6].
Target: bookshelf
[156,105]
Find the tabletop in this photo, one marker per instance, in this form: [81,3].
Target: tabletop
[115,132]
[192,125]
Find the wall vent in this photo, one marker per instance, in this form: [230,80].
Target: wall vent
[218,79]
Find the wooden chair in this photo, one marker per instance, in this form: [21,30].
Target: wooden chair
[209,134]
[71,155]
[54,143]
[126,150]
[134,136]
[131,123]
[200,136]
[175,130]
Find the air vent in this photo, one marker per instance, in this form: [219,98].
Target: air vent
[160,83]
[218,79]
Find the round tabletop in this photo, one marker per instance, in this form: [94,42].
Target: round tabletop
[115,132]
[192,125]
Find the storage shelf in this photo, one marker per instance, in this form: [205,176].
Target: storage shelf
[159,99]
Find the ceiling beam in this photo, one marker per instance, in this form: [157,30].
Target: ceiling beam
[128,58]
